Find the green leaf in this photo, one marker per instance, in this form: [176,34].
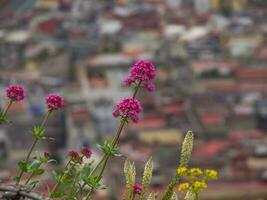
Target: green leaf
[147,176]
[38,132]
[57,194]
[108,149]
[38,171]
[23,166]
[52,161]
[35,164]
[33,184]
[3,118]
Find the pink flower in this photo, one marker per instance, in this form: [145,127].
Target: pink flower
[74,155]
[142,71]
[137,188]
[15,92]
[150,87]
[54,102]
[128,107]
[86,151]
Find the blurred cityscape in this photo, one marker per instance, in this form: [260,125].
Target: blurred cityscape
[211,61]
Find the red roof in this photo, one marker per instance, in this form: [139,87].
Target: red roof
[258,87]
[252,74]
[49,26]
[174,107]
[220,85]
[212,118]
[262,53]
[211,148]
[148,123]
[252,134]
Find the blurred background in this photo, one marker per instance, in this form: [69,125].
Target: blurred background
[211,61]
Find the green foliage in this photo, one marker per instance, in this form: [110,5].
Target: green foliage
[33,184]
[108,149]
[38,132]
[23,166]
[3,118]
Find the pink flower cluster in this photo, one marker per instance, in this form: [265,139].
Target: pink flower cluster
[54,102]
[137,188]
[143,71]
[128,107]
[15,92]
[86,151]
[74,155]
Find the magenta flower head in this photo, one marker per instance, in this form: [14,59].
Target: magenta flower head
[137,188]
[15,92]
[74,155]
[142,71]
[128,107]
[86,151]
[54,102]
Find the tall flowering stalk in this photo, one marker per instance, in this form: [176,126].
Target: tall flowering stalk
[53,102]
[14,93]
[141,75]
[186,151]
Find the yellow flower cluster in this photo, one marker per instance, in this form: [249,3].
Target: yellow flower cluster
[181,171]
[183,186]
[196,179]
[199,185]
[211,174]
[195,172]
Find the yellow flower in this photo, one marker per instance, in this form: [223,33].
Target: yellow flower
[211,174]
[199,185]
[195,172]
[183,186]
[181,170]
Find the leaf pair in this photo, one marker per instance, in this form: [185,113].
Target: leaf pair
[108,149]
[38,132]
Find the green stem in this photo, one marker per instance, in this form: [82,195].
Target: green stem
[34,144]
[60,179]
[105,158]
[168,194]
[6,110]
[30,177]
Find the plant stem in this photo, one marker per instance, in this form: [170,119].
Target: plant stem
[105,158]
[167,195]
[60,179]
[6,109]
[30,177]
[34,144]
